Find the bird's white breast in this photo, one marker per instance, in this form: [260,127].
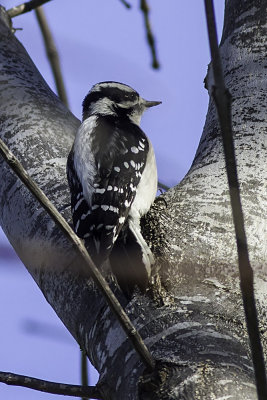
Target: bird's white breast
[147,187]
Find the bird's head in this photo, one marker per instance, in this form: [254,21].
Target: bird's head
[117,99]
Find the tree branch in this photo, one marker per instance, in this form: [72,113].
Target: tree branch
[52,54]
[222,100]
[90,271]
[25,7]
[150,37]
[50,387]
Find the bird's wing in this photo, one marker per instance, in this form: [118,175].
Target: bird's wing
[120,151]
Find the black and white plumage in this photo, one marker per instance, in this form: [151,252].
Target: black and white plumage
[112,176]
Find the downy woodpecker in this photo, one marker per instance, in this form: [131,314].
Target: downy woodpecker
[112,177]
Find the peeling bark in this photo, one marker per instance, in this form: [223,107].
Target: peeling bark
[192,319]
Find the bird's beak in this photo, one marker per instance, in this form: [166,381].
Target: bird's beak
[148,103]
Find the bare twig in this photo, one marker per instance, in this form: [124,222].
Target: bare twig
[50,387]
[84,370]
[126,4]
[150,37]
[52,54]
[25,7]
[222,99]
[162,186]
[90,270]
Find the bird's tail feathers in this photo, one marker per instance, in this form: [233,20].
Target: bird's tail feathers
[131,261]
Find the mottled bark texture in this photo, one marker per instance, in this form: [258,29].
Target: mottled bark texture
[193,321]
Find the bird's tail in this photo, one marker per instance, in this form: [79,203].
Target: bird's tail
[131,260]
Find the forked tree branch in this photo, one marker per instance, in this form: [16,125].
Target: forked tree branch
[52,54]
[50,387]
[90,270]
[222,100]
[150,37]
[25,7]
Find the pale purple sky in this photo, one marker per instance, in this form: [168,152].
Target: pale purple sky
[101,40]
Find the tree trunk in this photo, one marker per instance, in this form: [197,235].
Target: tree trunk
[192,318]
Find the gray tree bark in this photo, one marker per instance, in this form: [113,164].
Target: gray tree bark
[192,318]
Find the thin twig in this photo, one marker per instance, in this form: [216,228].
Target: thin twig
[150,37]
[163,186]
[50,387]
[90,270]
[52,54]
[222,100]
[25,7]
[84,370]
[126,4]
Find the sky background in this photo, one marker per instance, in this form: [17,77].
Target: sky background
[101,40]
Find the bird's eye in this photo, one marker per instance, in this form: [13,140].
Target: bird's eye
[130,96]
[123,98]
